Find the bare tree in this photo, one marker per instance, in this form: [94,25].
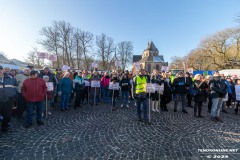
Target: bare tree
[77,47]
[105,49]
[33,59]
[125,52]
[85,44]
[51,41]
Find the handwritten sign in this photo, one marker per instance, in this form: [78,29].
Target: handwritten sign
[49,86]
[237,91]
[226,97]
[65,67]
[150,88]
[52,57]
[95,84]
[42,54]
[114,86]
[86,83]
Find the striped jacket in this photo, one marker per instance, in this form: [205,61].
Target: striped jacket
[8,88]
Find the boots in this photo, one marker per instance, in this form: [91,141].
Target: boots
[153,106]
[157,106]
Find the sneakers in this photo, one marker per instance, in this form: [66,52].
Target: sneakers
[28,125]
[49,113]
[40,123]
[127,106]
[213,119]
[121,105]
[224,111]
[184,111]
[5,130]
[219,119]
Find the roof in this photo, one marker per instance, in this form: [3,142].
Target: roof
[11,66]
[155,59]
[137,58]
[151,47]
[4,60]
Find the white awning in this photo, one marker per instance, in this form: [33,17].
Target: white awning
[11,66]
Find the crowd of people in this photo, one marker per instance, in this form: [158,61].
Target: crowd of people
[31,89]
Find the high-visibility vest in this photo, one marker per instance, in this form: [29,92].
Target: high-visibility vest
[140,84]
[172,78]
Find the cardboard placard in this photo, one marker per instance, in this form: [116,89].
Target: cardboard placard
[237,91]
[114,86]
[86,83]
[95,84]
[49,86]
[150,88]
[226,97]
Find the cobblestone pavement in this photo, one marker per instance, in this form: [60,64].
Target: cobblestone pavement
[97,133]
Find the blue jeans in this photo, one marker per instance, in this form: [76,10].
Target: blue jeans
[125,96]
[105,94]
[178,96]
[216,106]
[65,100]
[144,108]
[30,108]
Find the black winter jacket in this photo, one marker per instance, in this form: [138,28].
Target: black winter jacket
[8,88]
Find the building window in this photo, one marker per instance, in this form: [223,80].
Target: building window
[149,68]
[157,67]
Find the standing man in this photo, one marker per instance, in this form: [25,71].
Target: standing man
[21,105]
[180,90]
[218,90]
[34,90]
[140,82]
[8,90]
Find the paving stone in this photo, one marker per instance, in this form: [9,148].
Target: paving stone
[97,133]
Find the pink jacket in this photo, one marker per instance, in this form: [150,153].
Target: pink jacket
[105,81]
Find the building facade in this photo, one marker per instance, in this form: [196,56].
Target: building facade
[150,59]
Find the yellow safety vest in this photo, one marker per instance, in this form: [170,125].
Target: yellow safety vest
[140,84]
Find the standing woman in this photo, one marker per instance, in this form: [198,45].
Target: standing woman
[65,90]
[78,85]
[167,93]
[200,84]
[155,96]
[125,87]
[105,80]
[93,96]
[114,79]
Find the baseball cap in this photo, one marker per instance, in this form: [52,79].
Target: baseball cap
[1,67]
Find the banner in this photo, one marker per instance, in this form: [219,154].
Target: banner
[42,54]
[65,67]
[190,70]
[137,65]
[164,68]
[52,57]
[94,65]
[118,63]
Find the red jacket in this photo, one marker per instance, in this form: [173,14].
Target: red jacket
[34,90]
